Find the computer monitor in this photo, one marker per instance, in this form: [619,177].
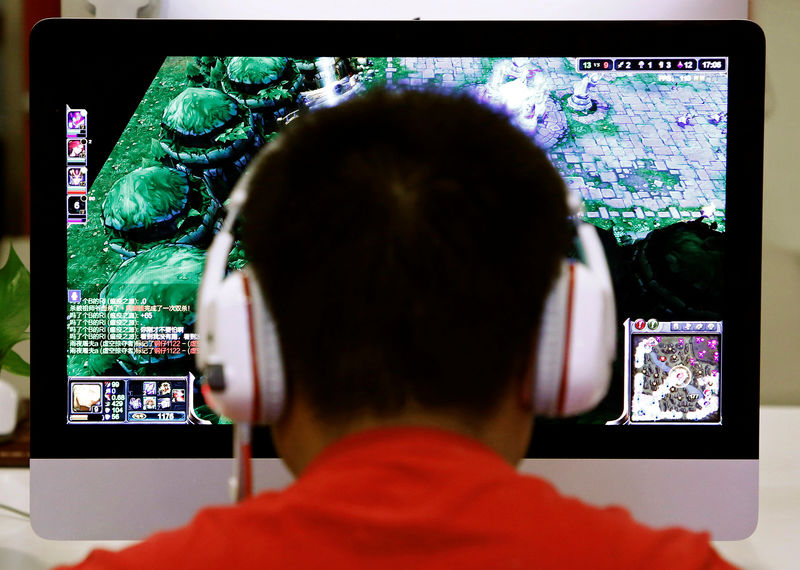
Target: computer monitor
[138,134]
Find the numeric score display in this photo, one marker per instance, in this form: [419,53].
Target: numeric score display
[685,64]
[651,65]
[595,64]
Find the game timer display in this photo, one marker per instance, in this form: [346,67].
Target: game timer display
[641,141]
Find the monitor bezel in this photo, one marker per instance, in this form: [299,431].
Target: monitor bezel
[742,42]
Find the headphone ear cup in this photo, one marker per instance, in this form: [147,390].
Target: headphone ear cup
[266,353]
[551,344]
[247,350]
[574,355]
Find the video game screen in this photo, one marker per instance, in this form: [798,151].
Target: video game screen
[642,142]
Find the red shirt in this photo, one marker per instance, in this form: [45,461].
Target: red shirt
[413,498]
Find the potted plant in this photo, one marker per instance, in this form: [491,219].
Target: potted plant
[15,281]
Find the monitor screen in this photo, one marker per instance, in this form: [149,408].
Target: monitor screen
[659,139]
[641,141]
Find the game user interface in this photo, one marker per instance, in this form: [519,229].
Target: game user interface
[641,141]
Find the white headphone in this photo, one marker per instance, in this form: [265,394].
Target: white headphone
[577,340]
[239,350]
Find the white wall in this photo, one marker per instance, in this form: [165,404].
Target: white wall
[426,9]
[462,9]
[780,367]
[13,107]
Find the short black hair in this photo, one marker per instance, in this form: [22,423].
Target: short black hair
[405,241]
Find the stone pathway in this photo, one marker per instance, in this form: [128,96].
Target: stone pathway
[659,153]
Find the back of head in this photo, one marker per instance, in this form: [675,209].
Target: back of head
[405,241]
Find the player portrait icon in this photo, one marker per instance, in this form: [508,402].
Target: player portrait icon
[76,205]
[76,176]
[149,388]
[135,403]
[76,120]
[87,397]
[149,403]
[76,150]
[164,403]
[178,395]
[164,389]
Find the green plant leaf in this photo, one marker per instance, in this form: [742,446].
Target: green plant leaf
[206,413]
[14,364]
[15,301]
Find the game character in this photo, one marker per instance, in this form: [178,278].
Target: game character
[77,148]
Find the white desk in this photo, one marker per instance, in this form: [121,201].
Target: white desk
[774,545]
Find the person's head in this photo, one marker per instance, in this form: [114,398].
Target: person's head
[405,242]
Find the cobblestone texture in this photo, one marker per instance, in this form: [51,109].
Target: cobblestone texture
[647,161]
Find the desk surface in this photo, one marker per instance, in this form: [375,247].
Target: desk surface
[774,545]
